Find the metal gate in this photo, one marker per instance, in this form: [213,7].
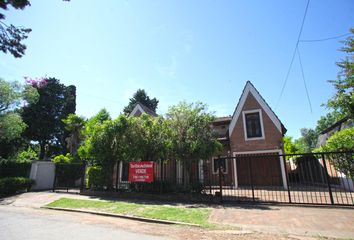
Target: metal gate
[314,178]
[69,176]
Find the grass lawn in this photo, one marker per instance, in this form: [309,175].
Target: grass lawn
[182,214]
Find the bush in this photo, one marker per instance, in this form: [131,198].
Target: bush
[342,141]
[11,185]
[63,158]
[96,177]
[11,168]
[27,155]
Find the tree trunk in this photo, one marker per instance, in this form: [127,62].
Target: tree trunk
[42,150]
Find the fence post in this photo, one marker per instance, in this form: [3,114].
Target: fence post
[250,172]
[55,177]
[286,177]
[220,177]
[161,175]
[328,180]
[83,175]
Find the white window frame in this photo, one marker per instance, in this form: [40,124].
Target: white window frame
[259,111]
[217,171]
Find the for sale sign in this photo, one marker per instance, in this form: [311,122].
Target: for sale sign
[141,172]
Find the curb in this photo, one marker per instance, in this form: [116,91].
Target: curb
[142,219]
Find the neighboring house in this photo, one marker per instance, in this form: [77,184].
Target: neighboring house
[253,130]
[336,127]
[139,109]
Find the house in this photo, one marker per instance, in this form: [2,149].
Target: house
[253,134]
[139,109]
[336,127]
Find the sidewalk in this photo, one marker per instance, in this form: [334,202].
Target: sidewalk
[297,220]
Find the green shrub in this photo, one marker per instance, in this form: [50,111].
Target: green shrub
[63,158]
[27,155]
[11,168]
[11,185]
[96,177]
[341,141]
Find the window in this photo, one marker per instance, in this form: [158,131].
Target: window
[253,125]
[216,163]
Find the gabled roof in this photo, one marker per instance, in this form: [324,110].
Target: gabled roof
[143,109]
[336,124]
[250,89]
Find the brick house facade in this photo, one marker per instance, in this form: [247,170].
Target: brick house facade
[252,130]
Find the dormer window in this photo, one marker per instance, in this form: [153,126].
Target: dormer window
[253,124]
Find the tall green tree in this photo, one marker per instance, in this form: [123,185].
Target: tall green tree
[326,121]
[44,118]
[154,134]
[88,132]
[191,134]
[12,96]
[308,140]
[343,100]
[74,125]
[141,96]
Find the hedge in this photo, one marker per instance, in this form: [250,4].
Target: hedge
[96,177]
[11,168]
[11,185]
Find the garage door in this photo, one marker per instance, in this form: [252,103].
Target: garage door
[260,170]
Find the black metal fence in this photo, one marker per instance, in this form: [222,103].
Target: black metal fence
[314,178]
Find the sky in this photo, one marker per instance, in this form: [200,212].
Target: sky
[185,50]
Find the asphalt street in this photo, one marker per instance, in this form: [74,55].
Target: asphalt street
[29,224]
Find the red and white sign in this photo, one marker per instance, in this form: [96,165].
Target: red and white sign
[141,172]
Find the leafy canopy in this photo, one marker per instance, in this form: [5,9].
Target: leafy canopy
[343,100]
[12,96]
[191,133]
[56,101]
[11,36]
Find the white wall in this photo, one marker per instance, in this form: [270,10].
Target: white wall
[43,173]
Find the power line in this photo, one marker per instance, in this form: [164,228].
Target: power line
[303,78]
[294,53]
[325,39]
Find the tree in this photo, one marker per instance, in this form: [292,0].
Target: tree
[44,117]
[111,142]
[289,146]
[154,134]
[140,96]
[11,37]
[74,125]
[308,140]
[88,132]
[326,121]
[191,134]
[343,100]
[12,95]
